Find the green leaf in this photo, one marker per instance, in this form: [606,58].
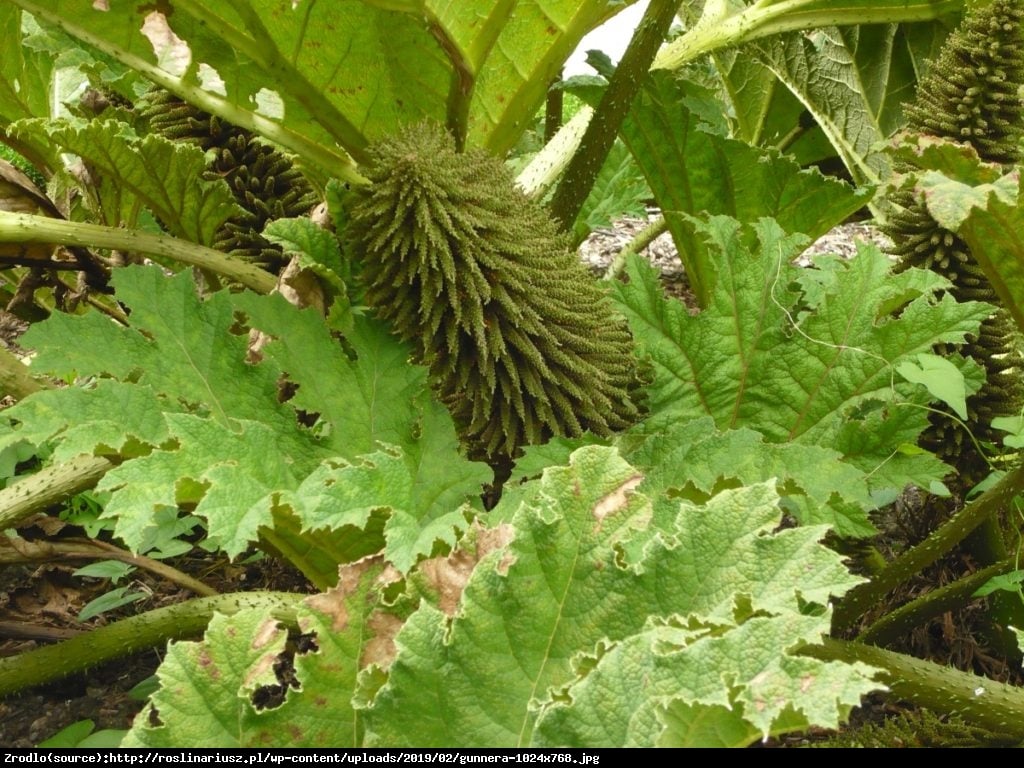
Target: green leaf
[882,443]
[690,171]
[69,736]
[115,570]
[25,73]
[1018,636]
[941,378]
[852,80]
[982,204]
[167,176]
[709,618]
[995,235]
[183,348]
[108,601]
[782,350]
[234,473]
[515,51]
[1008,582]
[206,428]
[107,416]
[278,69]
[81,735]
[723,26]
[104,739]
[620,703]
[950,203]
[692,459]
[198,702]
[423,493]
[1014,426]
[619,190]
[376,398]
[957,161]
[558,590]
[303,237]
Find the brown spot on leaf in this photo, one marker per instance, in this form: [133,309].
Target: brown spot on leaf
[615,500]
[447,576]
[332,602]
[806,682]
[172,52]
[380,649]
[265,634]
[258,671]
[206,663]
[301,287]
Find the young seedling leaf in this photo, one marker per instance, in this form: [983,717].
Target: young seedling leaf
[1014,427]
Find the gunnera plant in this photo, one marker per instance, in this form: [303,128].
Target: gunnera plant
[971,94]
[521,342]
[264,180]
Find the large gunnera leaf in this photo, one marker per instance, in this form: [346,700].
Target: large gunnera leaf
[557,607]
[799,355]
[316,76]
[201,425]
[547,639]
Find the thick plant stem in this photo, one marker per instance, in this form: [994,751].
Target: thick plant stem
[548,164]
[978,700]
[988,547]
[773,17]
[553,110]
[898,623]
[15,379]
[134,634]
[49,486]
[941,541]
[611,112]
[25,228]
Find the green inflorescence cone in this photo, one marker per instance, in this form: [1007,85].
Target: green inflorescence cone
[971,94]
[265,182]
[519,338]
